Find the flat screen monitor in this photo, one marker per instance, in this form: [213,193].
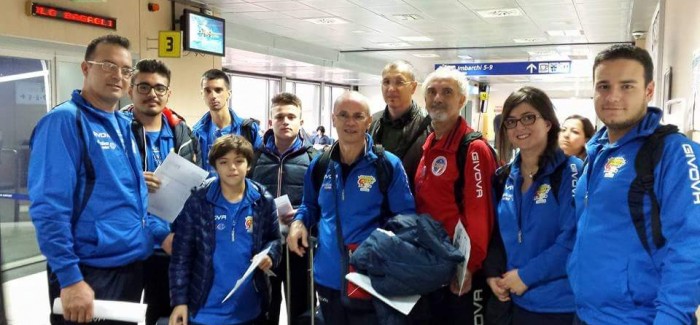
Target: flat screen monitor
[203,33]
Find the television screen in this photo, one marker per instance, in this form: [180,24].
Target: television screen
[203,33]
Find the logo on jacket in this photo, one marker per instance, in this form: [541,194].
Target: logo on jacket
[364,182]
[507,193]
[542,193]
[249,224]
[613,166]
[439,165]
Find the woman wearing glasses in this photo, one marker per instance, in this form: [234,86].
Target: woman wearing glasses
[536,219]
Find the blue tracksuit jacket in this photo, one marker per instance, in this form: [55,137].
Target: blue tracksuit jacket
[615,281]
[358,201]
[548,224]
[113,228]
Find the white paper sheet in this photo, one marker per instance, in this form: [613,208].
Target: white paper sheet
[112,310]
[464,245]
[177,178]
[253,265]
[284,207]
[403,304]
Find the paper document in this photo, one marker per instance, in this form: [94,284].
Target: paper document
[464,245]
[284,207]
[177,178]
[256,261]
[112,310]
[403,304]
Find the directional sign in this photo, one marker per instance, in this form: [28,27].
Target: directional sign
[511,68]
[169,44]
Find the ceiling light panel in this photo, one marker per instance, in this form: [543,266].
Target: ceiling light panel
[500,13]
[326,21]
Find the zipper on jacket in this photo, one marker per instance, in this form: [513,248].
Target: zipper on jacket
[279,177]
[520,236]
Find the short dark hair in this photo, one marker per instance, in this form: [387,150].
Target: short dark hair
[539,100]
[106,39]
[227,143]
[286,99]
[629,52]
[214,74]
[152,66]
[321,128]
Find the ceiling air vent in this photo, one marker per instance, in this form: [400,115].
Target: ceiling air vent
[497,13]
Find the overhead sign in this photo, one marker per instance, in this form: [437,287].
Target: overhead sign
[511,68]
[40,10]
[169,44]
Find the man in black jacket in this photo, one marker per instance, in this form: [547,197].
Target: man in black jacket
[402,126]
[157,131]
[281,164]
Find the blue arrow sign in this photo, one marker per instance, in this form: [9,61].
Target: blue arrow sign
[511,68]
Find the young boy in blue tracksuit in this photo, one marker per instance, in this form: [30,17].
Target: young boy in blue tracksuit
[221,227]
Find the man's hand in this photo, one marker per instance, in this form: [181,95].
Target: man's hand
[167,244]
[266,263]
[288,218]
[77,300]
[297,231]
[501,293]
[179,315]
[152,181]
[466,286]
[511,281]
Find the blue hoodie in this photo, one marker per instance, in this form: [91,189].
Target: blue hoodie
[548,227]
[615,281]
[207,132]
[359,201]
[113,228]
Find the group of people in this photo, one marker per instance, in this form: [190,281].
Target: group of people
[552,240]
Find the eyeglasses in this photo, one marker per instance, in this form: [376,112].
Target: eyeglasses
[110,67]
[344,117]
[527,119]
[145,89]
[396,84]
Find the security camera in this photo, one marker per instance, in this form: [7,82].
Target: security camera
[639,34]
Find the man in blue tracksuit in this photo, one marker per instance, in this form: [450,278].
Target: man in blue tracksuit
[351,192]
[614,278]
[220,119]
[88,196]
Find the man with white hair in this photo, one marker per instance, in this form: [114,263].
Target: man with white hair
[453,185]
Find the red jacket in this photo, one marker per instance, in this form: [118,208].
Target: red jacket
[437,172]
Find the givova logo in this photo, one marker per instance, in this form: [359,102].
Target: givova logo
[693,173]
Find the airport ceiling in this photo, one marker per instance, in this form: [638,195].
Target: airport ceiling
[348,41]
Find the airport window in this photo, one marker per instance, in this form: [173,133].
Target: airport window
[251,97]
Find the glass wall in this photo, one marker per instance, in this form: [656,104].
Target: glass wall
[251,97]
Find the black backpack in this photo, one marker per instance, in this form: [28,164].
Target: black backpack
[247,129]
[467,139]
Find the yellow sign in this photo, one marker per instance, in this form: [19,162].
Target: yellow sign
[169,44]
[484,95]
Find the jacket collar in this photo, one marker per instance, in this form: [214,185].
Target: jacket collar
[368,155]
[549,167]
[644,128]
[213,194]
[300,143]
[450,141]
[405,119]
[202,126]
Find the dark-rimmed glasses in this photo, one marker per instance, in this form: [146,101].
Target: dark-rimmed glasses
[145,89]
[527,119]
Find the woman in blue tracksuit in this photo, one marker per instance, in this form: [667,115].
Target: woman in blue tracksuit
[536,216]
[221,227]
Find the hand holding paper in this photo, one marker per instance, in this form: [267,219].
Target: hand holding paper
[112,310]
[463,243]
[257,260]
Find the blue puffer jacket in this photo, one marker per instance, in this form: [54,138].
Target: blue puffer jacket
[418,259]
[548,224]
[191,268]
[615,281]
[112,229]
[359,202]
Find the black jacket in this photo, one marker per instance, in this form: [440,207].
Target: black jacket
[404,137]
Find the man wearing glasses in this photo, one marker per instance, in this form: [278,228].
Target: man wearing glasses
[157,130]
[402,126]
[88,196]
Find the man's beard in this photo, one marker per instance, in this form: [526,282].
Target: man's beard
[438,113]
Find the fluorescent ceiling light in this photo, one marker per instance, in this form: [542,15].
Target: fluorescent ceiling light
[23,76]
[394,44]
[416,39]
[326,21]
[567,33]
[426,55]
[529,40]
[465,57]
[407,17]
[498,13]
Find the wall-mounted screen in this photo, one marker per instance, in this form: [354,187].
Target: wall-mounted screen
[203,33]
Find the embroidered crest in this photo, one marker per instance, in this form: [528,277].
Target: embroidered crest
[613,166]
[542,194]
[249,224]
[439,165]
[364,182]
[220,226]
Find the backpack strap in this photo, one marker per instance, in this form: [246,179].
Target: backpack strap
[646,160]
[556,177]
[247,129]
[320,169]
[462,152]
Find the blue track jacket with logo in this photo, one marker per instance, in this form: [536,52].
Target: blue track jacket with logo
[615,281]
[358,201]
[113,230]
[548,223]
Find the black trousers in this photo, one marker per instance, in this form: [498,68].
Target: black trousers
[578,321]
[444,307]
[335,313]
[525,317]
[156,286]
[298,278]
[122,283]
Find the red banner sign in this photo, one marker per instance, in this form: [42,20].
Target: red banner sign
[72,16]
